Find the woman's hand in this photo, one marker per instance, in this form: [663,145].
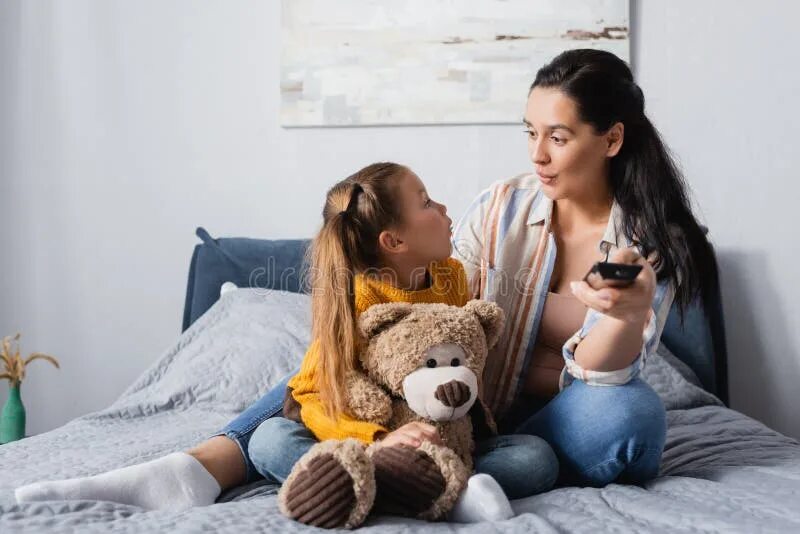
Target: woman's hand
[630,304]
[411,435]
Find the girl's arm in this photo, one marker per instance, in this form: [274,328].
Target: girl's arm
[312,411]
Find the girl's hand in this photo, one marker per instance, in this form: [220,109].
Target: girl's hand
[630,304]
[411,435]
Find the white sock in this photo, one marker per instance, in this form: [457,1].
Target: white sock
[177,481]
[482,500]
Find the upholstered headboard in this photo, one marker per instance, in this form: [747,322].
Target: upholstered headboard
[279,264]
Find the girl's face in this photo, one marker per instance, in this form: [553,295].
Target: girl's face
[570,158]
[426,229]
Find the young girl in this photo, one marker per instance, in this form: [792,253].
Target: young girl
[383,240]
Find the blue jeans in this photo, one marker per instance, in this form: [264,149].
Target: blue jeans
[241,429]
[602,434]
[523,465]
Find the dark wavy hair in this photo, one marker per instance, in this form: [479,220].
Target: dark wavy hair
[645,180]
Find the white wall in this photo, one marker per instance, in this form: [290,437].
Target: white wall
[124,125]
[722,84]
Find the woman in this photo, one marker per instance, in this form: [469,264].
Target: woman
[605,188]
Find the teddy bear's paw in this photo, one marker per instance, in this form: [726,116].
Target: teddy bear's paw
[408,481]
[331,486]
[454,473]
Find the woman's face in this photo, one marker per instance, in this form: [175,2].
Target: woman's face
[570,158]
[426,229]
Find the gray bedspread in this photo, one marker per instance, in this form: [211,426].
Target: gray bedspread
[721,471]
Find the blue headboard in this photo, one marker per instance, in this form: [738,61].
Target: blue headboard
[278,264]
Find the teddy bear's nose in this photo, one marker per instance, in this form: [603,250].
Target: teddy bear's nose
[452,394]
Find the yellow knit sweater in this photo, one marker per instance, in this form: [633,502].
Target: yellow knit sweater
[448,286]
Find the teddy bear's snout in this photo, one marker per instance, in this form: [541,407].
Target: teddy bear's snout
[441,393]
[453,394]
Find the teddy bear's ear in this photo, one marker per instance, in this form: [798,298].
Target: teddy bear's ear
[491,317]
[381,316]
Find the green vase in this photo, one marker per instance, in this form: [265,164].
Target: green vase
[12,420]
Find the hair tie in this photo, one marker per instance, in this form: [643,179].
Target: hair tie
[357,189]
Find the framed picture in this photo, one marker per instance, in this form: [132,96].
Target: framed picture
[383,62]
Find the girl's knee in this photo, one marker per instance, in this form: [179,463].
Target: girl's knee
[271,433]
[543,461]
[529,447]
[275,446]
[533,466]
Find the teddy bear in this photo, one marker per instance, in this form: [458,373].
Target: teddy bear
[419,362]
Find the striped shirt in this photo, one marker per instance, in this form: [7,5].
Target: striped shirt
[508,251]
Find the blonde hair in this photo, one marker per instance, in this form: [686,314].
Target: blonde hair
[356,210]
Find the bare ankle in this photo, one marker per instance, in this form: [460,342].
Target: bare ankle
[222,458]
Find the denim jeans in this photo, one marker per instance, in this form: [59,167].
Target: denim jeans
[601,434]
[523,465]
[242,427]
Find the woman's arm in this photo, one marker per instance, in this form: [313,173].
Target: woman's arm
[616,340]
[623,326]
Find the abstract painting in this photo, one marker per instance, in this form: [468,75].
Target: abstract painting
[389,62]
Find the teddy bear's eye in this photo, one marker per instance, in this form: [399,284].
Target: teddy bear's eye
[431,363]
[455,362]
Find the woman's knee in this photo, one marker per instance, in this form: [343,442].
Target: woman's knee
[647,417]
[631,412]
[629,438]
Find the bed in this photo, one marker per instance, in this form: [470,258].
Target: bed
[721,470]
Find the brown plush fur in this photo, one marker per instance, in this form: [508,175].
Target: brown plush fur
[399,336]
[353,458]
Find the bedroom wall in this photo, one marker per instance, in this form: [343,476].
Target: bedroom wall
[126,125]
